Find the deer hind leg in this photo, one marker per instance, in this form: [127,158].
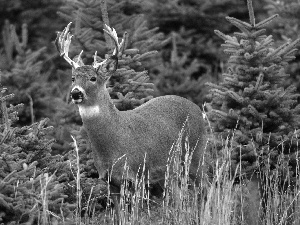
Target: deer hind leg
[121,196]
[114,194]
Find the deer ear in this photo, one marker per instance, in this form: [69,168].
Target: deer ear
[106,68]
[112,63]
[111,66]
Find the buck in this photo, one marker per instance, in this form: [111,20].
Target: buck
[146,132]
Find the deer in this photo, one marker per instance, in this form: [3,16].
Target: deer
[144,135]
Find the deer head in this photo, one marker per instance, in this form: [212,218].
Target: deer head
[88,80]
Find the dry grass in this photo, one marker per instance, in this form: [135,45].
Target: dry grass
[218,200]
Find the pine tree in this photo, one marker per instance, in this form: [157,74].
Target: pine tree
[40,16]
[287,29]
[193,22]
[250,107]
[22,74]
[179,75]
[30,182]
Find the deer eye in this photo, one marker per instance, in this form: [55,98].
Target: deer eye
[93,79]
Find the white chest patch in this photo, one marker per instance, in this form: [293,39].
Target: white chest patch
[89,111]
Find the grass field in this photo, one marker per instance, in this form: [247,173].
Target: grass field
[219,199]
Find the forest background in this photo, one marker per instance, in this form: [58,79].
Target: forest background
[188,56]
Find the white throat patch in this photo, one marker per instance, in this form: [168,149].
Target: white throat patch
[89,111]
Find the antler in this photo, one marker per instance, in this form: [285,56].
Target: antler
[113,35]
[62,43]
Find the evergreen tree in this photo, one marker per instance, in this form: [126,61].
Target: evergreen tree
[193,23]
[179,76]
[30,183]
[23,75]
[287,29]
[40,16]
[287,25]
[250,105]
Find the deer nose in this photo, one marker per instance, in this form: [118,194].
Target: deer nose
[76,94]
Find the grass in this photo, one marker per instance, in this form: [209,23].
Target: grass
[218,199]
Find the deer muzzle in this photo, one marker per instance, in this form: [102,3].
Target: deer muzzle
[76,95]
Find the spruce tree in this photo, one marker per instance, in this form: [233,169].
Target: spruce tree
[30,179]
[40,16]
[287,29]
[250,107]
[192,22]
[23,75]
[179,75]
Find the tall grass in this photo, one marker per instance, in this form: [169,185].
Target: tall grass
[268,198]
[280,192]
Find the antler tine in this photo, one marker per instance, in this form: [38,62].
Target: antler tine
[95,63]
[95,57]
[62,43]
[79,59]
[113,35]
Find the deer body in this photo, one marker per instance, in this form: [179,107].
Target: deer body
[147,131]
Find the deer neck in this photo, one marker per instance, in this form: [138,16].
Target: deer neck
[102,122]
[101,116]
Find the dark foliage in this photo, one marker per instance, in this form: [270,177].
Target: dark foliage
[250,104]
[170,44]
[28,171]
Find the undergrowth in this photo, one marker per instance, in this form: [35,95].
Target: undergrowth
[35,190]
[220,198]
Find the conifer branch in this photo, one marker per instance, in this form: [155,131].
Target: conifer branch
[24,35]
[258,33]
[292,52]
[251,13]
[241,35]
[264,43]
[131,51]
[231,81]
[243,26]
[288,58]
[277,50]
[230,51]
[253,111]
[105,18]
[124,43]
[289,47]
[174,53]
[229,46]
[235,96]
[220,92]
[266,21]
[234,43]
[220,113]
[8,42]
[222,35]
[78,22]
[259,81]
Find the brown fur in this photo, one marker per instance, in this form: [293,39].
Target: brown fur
[148,130]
